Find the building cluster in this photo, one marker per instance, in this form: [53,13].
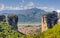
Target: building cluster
[29,30]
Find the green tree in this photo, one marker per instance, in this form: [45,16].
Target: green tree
[6,31]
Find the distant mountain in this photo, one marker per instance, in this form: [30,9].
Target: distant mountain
[29,15]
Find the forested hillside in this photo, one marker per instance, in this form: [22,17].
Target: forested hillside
[6,31]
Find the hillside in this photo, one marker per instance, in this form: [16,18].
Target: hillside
[6,31]
[53,33]
[50,33]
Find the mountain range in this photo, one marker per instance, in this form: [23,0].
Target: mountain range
[28,15]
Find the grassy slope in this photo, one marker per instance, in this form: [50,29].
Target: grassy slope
[53,33]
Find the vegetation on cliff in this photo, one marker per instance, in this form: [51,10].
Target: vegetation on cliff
[6,31]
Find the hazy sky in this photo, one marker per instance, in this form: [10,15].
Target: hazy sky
[47,5]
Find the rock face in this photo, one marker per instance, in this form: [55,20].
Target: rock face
[3,18]
[44,24]
[13,20]
[52,19]
[49,20]
[59,18]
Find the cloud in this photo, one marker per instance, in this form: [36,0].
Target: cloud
[21,7]
[2,7]
[46,8]
[30,5]
[14,8]
[58,11]
[27,6]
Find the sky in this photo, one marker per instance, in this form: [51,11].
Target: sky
[48,5]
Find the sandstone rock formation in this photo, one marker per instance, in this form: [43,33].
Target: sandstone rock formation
[49,20]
